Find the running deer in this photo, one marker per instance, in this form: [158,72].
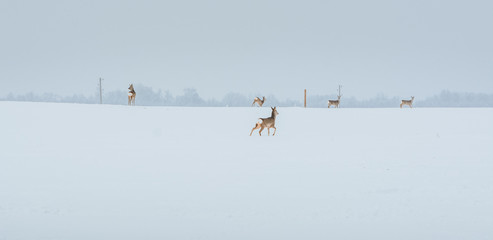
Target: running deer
[335,102]
[258,101]
[131,95]
[408,102]
[267,123]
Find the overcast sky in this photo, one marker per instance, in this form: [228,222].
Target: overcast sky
[398,48]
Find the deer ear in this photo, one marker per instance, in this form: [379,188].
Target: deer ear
[272,108]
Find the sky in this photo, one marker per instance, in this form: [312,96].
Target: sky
[254,47]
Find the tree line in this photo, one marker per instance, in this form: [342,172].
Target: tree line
[147,96]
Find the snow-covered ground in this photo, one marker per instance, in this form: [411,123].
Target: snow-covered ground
[72,171]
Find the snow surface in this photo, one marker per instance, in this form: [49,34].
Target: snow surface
[73,171]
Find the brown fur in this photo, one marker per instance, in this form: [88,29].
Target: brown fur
[258,101]
[131,95]
[267,123]
[408,102]
[335,102]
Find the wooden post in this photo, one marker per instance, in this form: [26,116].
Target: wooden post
[305,98]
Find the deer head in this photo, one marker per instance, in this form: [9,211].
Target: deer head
[131,87]
[274,111]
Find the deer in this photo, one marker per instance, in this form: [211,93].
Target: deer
[408,102]
[258,101]
[267,123]
[131,95]
[335,102]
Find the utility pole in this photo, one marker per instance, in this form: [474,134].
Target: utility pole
[100,91]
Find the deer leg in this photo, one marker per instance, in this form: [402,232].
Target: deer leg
[401,105]
[274,131]
[260,132]
[252,131]
[256,127]
[129,101]
[268,131]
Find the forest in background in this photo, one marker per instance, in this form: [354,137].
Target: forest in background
[147,96]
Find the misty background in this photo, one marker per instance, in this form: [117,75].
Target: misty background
[222,53]
[147,96]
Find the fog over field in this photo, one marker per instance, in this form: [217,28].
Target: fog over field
[148,96]
[77,163]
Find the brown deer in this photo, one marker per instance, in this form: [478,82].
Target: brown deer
[131,95]
[408,102]
[335,102]
[258,101]
[267,123]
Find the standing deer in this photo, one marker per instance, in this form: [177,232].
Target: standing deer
[408,102]
[131,95]
[335,102]
[258,101]
[267,123]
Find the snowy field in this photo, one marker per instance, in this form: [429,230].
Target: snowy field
[73,171]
